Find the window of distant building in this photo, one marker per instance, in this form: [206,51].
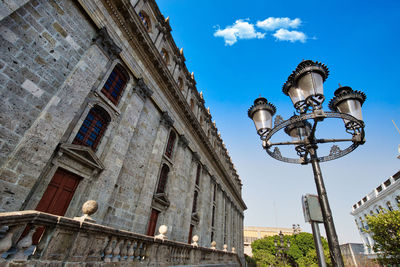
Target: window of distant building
[115,84]
[162,182]
[93,128]
[146,20]
[170,144]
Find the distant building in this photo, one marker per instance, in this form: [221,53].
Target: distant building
[386,195]
[353,255]
[252,233]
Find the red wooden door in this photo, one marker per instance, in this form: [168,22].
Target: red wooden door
[59,193]
[190,234]
[152,222]
[57,197]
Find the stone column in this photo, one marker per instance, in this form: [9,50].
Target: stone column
[114,158]
[143,210]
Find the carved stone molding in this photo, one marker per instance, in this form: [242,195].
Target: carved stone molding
[142,90]
[205,169]
[104,41]
[166,120]
[183,141]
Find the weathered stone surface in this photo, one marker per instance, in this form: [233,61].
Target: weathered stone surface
[54,62]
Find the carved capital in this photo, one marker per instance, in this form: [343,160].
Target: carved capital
[104,41]
[142,90]
[196,157]
[166,119]
[205,169]
[183,141]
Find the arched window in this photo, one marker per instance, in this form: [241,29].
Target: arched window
[201,120]
[164,55]
[163,179]
[194,207]
[115,84]
[145,19]
[170,145]
[198,174]
[180,83]
[93,128]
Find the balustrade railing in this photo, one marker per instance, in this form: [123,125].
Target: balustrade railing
[67,240]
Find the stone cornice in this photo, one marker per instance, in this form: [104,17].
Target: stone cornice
[130,24]
[142,89]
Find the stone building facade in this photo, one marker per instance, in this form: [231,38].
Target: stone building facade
[385,196]
[97,103]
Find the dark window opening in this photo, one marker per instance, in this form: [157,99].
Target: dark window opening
[162,182]
[194,207]
[170,145]
[115,85]
[190,234]
[93,128]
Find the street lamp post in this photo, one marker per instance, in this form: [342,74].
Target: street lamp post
[305,88]
[281,248]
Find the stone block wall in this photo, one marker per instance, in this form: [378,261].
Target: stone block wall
[52,68]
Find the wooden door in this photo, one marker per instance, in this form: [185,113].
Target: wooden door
[57,197]
[190,234]
[152,222]
[59,193]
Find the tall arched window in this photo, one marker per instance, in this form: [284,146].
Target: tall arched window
[145,19]
[162,182]
[194,207]
[115,84]
[93,128]
[192,104]
[170,145]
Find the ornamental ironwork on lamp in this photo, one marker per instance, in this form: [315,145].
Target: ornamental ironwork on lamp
[261,113]
[348,101]
[305,85]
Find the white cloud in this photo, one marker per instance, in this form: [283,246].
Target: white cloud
[241,29]
[292,36]
[271,23]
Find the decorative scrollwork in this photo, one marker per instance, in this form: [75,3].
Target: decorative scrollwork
[334,150]
[277,153]
[278,120]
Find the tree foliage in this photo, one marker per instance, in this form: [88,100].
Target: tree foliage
[301,252]
[385,231]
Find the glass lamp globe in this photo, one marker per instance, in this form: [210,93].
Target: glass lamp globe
[348,101]
[261,113]
[298,131]
[306,82]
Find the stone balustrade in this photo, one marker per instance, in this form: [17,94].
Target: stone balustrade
[72,242]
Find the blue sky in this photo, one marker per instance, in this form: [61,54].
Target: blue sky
[357,40]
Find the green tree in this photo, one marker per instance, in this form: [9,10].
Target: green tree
[385,231]
[301,252]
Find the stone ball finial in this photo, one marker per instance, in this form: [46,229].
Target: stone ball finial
[225,247]
[213,245]
[233,250]
[195,238]
[90,207]
[163,229]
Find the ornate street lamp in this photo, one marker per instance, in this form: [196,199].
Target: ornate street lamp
[281,249]
[305,88]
